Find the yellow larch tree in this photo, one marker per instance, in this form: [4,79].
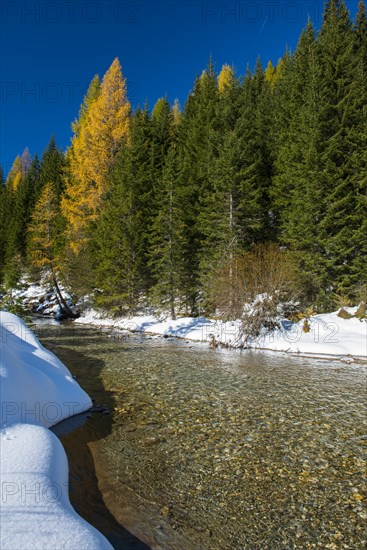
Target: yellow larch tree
[226,78]
[176,112]
[42,236]
[103,126]
[15,174]
[270,74]
[43,240]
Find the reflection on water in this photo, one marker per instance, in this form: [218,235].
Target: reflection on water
[209,449]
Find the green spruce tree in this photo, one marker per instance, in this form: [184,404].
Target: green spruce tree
[359,157]
[166,239]
[121,238]
[194,165]
[340,116]
[297,196]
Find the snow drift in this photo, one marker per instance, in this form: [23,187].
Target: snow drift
[35,507]
[36,387]
[36,392]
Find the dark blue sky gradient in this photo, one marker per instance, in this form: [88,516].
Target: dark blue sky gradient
[51,49]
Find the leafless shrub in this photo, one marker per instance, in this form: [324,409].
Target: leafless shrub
[256,287]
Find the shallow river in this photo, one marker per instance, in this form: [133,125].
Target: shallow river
[212,450]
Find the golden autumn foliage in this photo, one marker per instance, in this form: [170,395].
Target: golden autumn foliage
[103,125]
[42,237]
[225,78]
[270,74]
[15,174]
[92,94]
[176,113]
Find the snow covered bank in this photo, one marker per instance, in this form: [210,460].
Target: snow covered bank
[35,507]
[36,392]
[36,387]
[328,335]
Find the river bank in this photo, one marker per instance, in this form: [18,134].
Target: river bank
[339,334]
[328,334]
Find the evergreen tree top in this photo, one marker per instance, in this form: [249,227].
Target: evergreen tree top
[51,149]
[282,66]
[210,69]
[307,38]
[161,108]
[259,70]
[34,167]
[361,21]
[336,17]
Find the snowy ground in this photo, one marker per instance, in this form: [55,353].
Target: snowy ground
[329,334]
[36,391]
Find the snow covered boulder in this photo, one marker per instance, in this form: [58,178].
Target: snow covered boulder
[35,507]
[35,387]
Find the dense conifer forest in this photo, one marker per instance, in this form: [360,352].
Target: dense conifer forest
[163,207]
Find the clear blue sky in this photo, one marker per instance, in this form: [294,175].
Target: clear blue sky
[51,49]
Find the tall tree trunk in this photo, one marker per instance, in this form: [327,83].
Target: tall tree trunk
[172,296]
[61,298]
[231,250]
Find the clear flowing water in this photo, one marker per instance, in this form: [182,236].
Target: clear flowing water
[208,449]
